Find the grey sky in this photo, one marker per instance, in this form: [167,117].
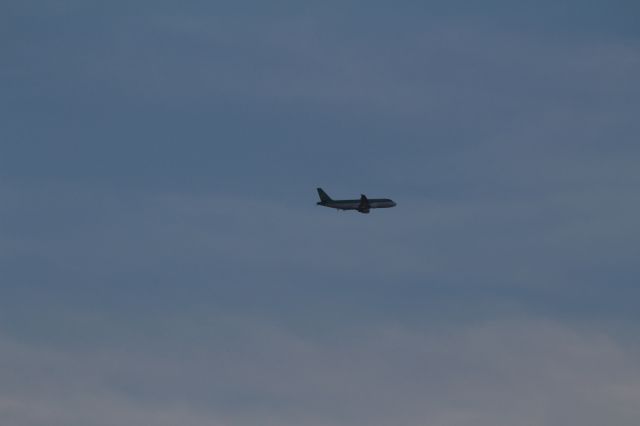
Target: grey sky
[162,259]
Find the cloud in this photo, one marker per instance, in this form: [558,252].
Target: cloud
[163,261]
[71,245]
[239,371]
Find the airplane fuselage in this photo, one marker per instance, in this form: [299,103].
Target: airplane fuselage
[374,203]
[363,205]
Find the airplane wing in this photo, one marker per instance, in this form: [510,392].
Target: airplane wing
[364,204]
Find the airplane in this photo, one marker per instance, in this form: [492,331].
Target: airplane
[363,205]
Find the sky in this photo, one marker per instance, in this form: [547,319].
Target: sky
[163,262]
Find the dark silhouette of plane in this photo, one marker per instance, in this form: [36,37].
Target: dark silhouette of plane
[363,205]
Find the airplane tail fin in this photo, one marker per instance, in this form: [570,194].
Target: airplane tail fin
[323,196]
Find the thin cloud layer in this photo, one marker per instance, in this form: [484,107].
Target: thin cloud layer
[225,371]
[162,260]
